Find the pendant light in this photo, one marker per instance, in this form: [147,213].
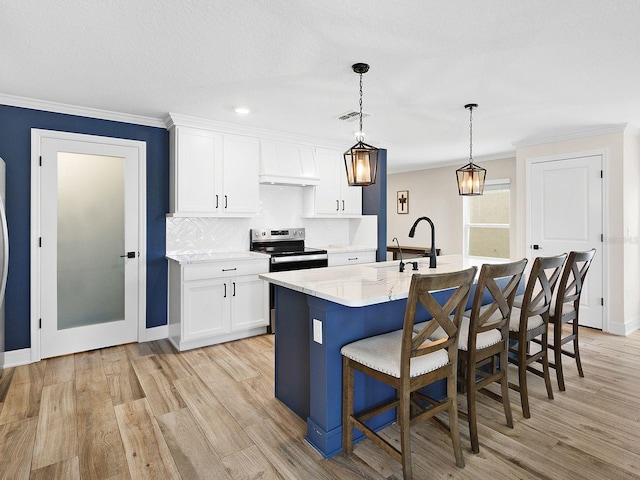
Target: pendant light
[361,160]
[471,176]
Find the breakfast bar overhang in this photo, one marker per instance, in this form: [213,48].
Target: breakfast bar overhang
[320,310]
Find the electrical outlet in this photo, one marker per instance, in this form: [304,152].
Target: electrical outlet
[317,331]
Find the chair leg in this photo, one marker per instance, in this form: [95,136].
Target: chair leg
[404,422]
[576,349]
[557,353]
[347,406]
[471,409]
[522,379]
[557,356]
[504,384]
[454,428]
[545,364]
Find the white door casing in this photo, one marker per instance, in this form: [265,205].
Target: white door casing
[46,339]
[565,212]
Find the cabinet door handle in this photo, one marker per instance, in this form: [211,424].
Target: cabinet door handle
[234,289]
[337,205]
[225,290]
[343,205]
[229,269]
[353,259]
[216,201]
[225,201]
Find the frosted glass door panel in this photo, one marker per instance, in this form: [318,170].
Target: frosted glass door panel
[91,195]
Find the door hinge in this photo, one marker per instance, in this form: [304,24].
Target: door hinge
[40,160]
[39,323]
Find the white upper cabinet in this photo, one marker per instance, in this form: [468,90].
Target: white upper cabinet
[240,175]
[196,173]
[213,174]
[333,196]
[287,163]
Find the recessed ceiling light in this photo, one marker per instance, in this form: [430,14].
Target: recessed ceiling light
[242,110]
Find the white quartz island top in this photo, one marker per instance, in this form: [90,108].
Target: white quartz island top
[369,283]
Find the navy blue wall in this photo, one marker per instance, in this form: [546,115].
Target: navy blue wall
[374,202]
[15,149]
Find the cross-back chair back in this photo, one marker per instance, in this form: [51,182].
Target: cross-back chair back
[530,320]
[566,310]
[409,362]
[484,340]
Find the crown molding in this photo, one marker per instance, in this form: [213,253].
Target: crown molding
[55,107]
[586,132]
[459,162]
[632,130]
[175,119]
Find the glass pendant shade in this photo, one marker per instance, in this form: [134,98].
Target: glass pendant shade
[471,179]
[361,162]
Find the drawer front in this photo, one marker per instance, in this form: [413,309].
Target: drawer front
[203,271]
[349,258]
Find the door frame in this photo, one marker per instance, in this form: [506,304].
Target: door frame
[36,138]
[604,153]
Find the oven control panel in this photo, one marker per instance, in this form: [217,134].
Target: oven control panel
[270,235]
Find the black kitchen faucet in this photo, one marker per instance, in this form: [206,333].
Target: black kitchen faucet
[431,254]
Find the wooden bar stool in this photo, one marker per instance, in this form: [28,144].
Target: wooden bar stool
[409,362]
[566,310]
[530,320]
[484,340]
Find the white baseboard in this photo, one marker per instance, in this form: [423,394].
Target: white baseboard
[14,358]
[625,328]
[156,333]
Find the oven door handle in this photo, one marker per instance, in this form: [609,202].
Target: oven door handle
[299,258]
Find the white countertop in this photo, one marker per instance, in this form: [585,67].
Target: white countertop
[368,283]
[189,258]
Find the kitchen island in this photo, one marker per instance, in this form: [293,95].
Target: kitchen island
[320,310]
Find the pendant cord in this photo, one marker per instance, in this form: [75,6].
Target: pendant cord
[361,134]
[471,135]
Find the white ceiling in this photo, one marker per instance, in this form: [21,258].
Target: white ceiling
[536,68]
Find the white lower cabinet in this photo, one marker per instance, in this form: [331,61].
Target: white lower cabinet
[213,303]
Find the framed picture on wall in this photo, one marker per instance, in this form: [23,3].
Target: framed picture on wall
[403,201]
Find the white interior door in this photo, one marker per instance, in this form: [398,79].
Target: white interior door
[89,248]
[565,201]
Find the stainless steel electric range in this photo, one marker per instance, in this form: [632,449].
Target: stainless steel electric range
[287,251]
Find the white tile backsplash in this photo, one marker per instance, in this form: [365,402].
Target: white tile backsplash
[280,207]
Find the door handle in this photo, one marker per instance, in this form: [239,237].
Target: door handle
[129,255]
[337,205]
[216,201]
[225,201]
[343,205]
[234,289]
[536,247]
[225,290]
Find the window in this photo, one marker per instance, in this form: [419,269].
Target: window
[486,221]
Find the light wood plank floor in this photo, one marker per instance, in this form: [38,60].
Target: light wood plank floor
[145,411]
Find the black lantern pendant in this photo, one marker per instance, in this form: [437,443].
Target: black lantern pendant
[361,160]
[471,176]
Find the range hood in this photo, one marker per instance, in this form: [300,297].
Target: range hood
[284,163]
